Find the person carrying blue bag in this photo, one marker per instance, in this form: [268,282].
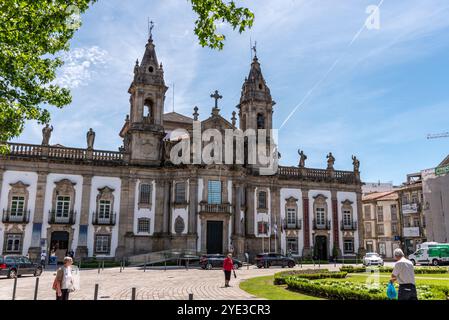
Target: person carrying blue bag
[404,274]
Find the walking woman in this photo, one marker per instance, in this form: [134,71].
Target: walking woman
[228,266]
[64,281]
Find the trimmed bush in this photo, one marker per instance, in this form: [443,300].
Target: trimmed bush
[346,290]
[418,270]
[279,278]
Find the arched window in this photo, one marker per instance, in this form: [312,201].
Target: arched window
[260,121]
[148,111]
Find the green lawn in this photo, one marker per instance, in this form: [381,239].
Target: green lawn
[263,287]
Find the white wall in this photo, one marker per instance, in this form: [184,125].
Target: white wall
[327,194]
[260,216]
[98,183]
[182,212]
[51,179]
[144,212]
[11,177]
[351,196]
[286,193]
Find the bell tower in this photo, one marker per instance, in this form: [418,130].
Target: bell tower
[145,131]
[256,104]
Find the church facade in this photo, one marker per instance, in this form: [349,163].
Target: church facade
[114,204]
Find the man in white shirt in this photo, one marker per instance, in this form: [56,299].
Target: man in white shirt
[43,258]
[404,274]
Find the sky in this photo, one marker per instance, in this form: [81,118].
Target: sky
[339,85]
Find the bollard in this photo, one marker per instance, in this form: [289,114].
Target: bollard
[98,267]
[102,266]
[133,294]
[96,292]
[165,264]
[120,266]
[14,288]
[190,296]
[36,288]
[145,265]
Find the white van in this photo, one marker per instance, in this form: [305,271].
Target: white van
[431,254]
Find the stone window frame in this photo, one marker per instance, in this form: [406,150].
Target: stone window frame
[224,188]
[149,110]
[264,203]
[287,244]
[5,245]
[368,226]
[257,192]
[380,229]
[347,205]
[19,189]
[105,193]
[380,213]
[291,203]
[367,213]
[394,213]
[145,205]
[65,188]
[97,235]
[184,202]
[353,245]
[146,220]
[320,201]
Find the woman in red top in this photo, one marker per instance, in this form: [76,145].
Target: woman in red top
[228,265]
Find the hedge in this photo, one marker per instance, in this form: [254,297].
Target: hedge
[311,274]
[346,290]
[418,270]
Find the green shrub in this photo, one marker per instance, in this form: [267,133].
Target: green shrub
[418,270]
[352,269]
[279,278]
[308,261]
[347,290]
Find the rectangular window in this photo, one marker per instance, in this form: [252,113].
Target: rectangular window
[262,227]
[367,210]
[145,194]
[104,209]
[348,246]
[180,192]
[292,245]
[214,192]
[13,243]
[347,217]
[143,225]
[291,217]
[17,206]
[62,206]
[405,199]
[102,243]
[380,213]
[368,228]
[394,228]
[320,217]
[369,246]
[380,229]
[416,222]
[382,248]
[262,200]
[394,212]
[415,198]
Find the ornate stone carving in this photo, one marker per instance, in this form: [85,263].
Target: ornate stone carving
[179,225]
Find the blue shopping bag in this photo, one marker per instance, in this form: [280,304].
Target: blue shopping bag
[391,291]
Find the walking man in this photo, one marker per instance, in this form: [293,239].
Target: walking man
[228,266]
[64,282]
[404,274]
[43,258]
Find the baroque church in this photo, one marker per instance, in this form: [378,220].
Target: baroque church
[116,204]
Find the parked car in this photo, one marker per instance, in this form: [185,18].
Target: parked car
[372,259]
[16,265]
[210,261]
[434,254]
[267,260]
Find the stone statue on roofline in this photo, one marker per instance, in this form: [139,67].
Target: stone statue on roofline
[46,134]
[330,161]
[302,159]
[356,163]
[90,137]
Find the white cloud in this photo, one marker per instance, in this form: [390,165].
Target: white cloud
[79,65]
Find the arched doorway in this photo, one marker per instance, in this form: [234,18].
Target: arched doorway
[321,247]
[60,243]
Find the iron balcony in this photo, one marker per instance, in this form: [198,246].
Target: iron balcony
[9,217]
[321,226]
[351,226]
[103,221]
[54,218]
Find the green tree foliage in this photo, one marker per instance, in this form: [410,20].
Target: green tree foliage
[32,32]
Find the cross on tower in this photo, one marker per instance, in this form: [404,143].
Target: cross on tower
[255,49]
[216,96]
[150,28]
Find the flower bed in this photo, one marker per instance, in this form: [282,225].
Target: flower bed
[347,290]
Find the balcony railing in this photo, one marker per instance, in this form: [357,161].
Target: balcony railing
[411,208]
[292,225]
[55,218]
[317,175]
[348,226]
[215,208]
[321,226]
[9,217]
[103,221]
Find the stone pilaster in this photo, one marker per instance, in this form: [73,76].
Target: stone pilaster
[126,215]
[335,223]
[305,223]
[85,199]
[193,207]
[40,196]
[1,181]
[250,212]
[165,206]
[360,224]
[275,218]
